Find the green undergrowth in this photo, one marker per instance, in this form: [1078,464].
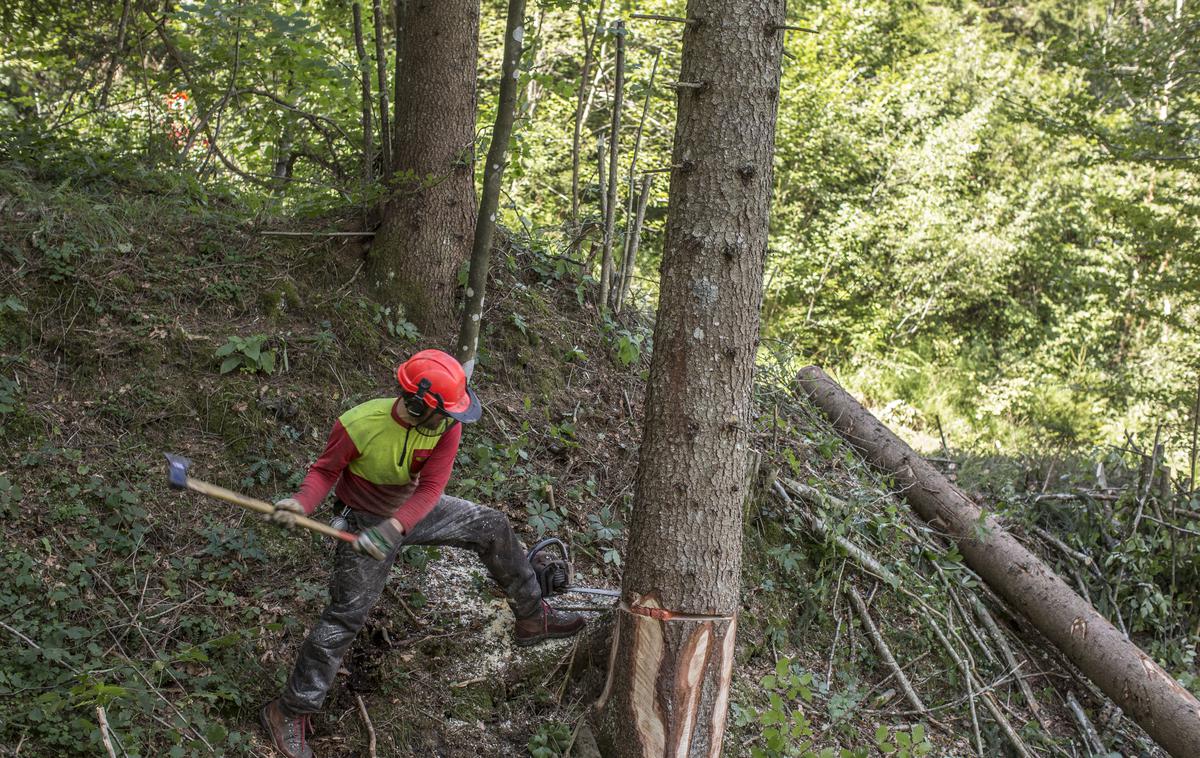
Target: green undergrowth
[140,315]
[809,681]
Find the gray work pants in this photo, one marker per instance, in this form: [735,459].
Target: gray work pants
[358,581]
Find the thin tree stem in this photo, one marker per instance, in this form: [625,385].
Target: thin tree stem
[365,79]
[614,144]
[581,104]
[385,134]
[493,173]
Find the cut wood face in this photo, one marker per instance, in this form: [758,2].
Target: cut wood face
[669,678]
[646,655]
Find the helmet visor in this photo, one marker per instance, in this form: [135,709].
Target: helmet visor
[469,414]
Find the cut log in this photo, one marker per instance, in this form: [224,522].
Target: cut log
[1165,709]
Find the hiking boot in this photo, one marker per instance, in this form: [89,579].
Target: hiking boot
[547,624]
[287,732]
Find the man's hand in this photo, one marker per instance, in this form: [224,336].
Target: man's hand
[378,541]
[286,511]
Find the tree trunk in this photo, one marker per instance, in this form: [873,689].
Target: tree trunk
[429,215]
[118,51]
[668,681]
[493,174]
[629,260]
[385,132]
[364,75]
[400,14]
[614,150]
[1168,712]
[580,108]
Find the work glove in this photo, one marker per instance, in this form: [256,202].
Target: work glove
[286,511]
[378,541]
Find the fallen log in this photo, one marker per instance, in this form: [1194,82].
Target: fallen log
[1164,708]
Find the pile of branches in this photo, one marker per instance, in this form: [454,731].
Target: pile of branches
[995,659]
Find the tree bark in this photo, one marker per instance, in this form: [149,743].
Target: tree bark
[493,174]
[429,214]
[400,14]
[1168,712]
[667,691]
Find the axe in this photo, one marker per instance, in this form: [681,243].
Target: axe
[177,467]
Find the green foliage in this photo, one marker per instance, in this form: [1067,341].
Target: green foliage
[11,304]
[394,323]
[543,517]
[785,730]
[628,344]
[603,530]
[550,741]
[901,743]
[1143,577]
[247,354]
[272,471]
[68,593]
[9,395]
[10,496]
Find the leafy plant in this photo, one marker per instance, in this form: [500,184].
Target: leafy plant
[395,324]
[519,322]
[901,743]
[265,471]
[11,304]
[246,353]
[786,731]
[629,347]
[10,495]
[9,391]
[550,741]
[543,518]
[604,528]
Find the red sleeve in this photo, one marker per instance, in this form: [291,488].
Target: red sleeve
[323,474]
[432,481]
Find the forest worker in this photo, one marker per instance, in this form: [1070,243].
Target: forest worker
[390,459]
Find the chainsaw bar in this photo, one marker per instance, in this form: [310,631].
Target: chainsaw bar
[590,591]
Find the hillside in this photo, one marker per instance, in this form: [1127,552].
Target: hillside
[122,297]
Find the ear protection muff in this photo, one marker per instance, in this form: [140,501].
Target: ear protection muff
[415,403]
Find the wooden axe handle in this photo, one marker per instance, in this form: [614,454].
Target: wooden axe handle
[229,496]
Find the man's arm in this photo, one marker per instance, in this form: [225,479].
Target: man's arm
[432,482]
[323,474]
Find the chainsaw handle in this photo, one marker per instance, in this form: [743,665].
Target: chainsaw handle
[542,545]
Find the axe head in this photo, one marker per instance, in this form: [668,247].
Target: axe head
[177,467]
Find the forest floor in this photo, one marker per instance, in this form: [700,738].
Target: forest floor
[176,616]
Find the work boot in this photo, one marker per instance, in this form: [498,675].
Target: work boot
[287,732]
[547,624]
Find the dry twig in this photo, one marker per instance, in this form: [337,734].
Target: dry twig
[988,701]
[1010,659]
[884,652]
[103,718]
[1090,736]
[362,709]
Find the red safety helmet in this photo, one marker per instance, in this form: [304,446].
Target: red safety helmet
[438,380]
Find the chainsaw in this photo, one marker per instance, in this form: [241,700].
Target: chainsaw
[554,572]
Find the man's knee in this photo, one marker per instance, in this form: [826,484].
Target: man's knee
[493,522]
